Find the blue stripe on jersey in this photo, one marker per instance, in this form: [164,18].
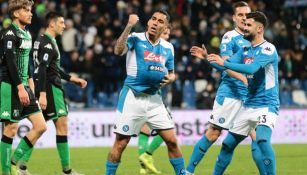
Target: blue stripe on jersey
[122,98]
[230,87]
[147,64]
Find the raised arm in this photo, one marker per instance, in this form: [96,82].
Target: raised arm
[121,44]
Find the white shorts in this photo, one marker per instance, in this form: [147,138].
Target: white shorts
[250,118]
[224,111]
[133,111]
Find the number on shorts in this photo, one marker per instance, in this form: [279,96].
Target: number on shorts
[262,119]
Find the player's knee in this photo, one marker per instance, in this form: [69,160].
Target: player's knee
[41,128]
[10,130]
[172,143]
[213,133]
[62,130]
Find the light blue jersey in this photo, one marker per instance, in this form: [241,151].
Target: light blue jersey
[261,67]
[230,87]
[147,64]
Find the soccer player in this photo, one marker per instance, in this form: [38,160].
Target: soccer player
[17,88]
[230,94]
[148,57]
[260,64]
[48,75]
[145,150]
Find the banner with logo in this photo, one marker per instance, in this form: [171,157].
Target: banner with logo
[94,129]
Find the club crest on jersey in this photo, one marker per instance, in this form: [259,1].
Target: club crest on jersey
[248,60]
[149,56]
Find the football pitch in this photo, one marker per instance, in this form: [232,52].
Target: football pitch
[291,160]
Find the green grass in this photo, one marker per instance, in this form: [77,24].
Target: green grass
[291,160]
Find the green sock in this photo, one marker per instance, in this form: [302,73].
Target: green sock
[6,152]
[142,143]
[63,150]
[155,144]
[23,147]
[25,158]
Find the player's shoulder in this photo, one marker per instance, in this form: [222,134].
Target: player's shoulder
[267,48]
[228,36]
[43,42]
[9,32]
[166,44]
[138,35]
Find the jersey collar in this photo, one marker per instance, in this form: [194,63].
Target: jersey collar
[49,36]
[146,36]
[238,31]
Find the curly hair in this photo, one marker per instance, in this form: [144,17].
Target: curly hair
[18,4]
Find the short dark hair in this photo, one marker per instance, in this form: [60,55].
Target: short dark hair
[52,16]
[259,17]
[168,17]
[239,4]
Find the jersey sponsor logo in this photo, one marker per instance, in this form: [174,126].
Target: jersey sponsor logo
[5,114]
[36,45]
[45,57]
[149,56]
[48,46]
[10,32]
[26,44]
[9,45]
[156,68]
[248,60]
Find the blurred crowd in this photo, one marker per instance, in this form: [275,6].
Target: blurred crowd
[92,27]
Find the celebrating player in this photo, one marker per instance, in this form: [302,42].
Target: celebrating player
[230,94]
[145,150]
[148,57]
[260,62]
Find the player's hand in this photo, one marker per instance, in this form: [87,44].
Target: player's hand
[199,52]
[168,79]
[42,100]
[23,95]
[79,81]
[133,19]
[214,58]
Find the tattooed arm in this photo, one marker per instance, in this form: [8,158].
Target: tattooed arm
[121,44]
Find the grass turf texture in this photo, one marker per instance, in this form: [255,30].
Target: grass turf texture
[291,160]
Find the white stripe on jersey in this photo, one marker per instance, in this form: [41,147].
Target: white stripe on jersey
[131,64]
[269,76]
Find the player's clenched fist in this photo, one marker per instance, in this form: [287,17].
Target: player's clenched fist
[133,19]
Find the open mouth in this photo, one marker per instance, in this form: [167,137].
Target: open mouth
[154,29]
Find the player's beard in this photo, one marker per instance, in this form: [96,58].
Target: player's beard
[250,37]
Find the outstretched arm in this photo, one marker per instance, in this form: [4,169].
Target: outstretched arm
[242,68]
[201,53]
[121,44]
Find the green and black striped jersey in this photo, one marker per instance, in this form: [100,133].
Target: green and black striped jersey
[16,44]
